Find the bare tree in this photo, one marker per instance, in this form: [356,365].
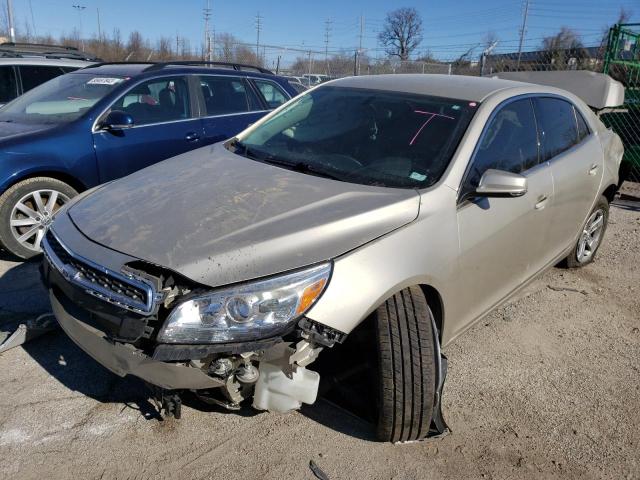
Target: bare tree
[562,47]
[402,32]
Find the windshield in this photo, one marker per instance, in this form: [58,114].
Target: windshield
[61,100]
[362,136]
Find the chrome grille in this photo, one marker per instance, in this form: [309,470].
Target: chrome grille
[112,287]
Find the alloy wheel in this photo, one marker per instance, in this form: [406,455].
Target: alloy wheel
[32,214]
[590,236]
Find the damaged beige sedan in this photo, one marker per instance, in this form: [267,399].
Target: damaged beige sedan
[362,226]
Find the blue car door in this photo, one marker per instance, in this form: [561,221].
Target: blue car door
[164,126]
[230,106]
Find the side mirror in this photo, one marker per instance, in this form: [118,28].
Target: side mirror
[498,183]
[117,120]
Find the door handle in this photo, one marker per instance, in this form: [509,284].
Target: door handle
[594,169]
[192,137]
[542,201]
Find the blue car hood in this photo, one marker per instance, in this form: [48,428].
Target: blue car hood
[12,129]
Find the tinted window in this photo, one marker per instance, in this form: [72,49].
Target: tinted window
[225,95]
[272,93]
[557,124]
[509,142]
[583,129]
[8,87]
[34,75]
[156,101]
[362,136]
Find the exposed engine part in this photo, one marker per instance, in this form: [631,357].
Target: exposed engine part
[305,354]
[221,367]
[247,373]
[321,334]
[168,401]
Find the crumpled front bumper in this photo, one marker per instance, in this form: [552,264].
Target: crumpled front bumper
[123,359]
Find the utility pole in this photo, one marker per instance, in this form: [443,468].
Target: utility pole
[523,30]
[327,33]
[360,42]
[80,8]
[12,30]
[483,59]
[99,27]
[207,37]
[258,29]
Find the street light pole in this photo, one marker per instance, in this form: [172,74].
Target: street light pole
[80,8]
[12,30]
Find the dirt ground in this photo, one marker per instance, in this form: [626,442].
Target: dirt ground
[546,387]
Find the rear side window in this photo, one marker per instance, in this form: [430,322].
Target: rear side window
[583,129]
[557,123]
[227,95]
[272,93]
[510,142]
[8,84]
[34,75]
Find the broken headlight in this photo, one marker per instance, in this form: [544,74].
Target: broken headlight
[245,312]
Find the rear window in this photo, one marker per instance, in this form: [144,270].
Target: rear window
[583,129]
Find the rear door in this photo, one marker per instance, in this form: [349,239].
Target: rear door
[164,126]
[577,165]
[501,240]
[230,106]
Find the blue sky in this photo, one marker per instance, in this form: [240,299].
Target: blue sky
[450,27]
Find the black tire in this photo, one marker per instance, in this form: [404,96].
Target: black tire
[407,367]
[12,196]
[572,260]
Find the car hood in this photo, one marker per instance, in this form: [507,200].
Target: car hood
[220,218]
[11,129]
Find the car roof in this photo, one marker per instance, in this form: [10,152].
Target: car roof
[460,87]
[130,69]
[41,61]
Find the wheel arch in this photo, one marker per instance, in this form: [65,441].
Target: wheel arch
[610,192]
[434,300]
[62,176]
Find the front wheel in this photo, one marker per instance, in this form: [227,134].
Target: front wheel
[407,366]
[591,235]
[26,210]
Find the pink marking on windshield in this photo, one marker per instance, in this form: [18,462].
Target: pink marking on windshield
[433,115]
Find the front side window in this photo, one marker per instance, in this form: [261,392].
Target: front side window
[156,101]
[272,93]
[61,100]
[8,84]
[34,75]
[509,142]
[225,95]
[557,123]
[371,137]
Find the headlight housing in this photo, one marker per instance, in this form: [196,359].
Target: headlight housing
[246,312]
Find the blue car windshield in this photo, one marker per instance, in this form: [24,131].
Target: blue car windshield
[61,100]
[357,135]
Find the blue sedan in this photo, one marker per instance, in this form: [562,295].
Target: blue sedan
[109,120]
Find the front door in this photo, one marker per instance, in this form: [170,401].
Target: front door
[163,127]
[501,240]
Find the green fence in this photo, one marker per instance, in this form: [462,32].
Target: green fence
[622,62]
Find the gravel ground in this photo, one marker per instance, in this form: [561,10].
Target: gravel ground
[545,387]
